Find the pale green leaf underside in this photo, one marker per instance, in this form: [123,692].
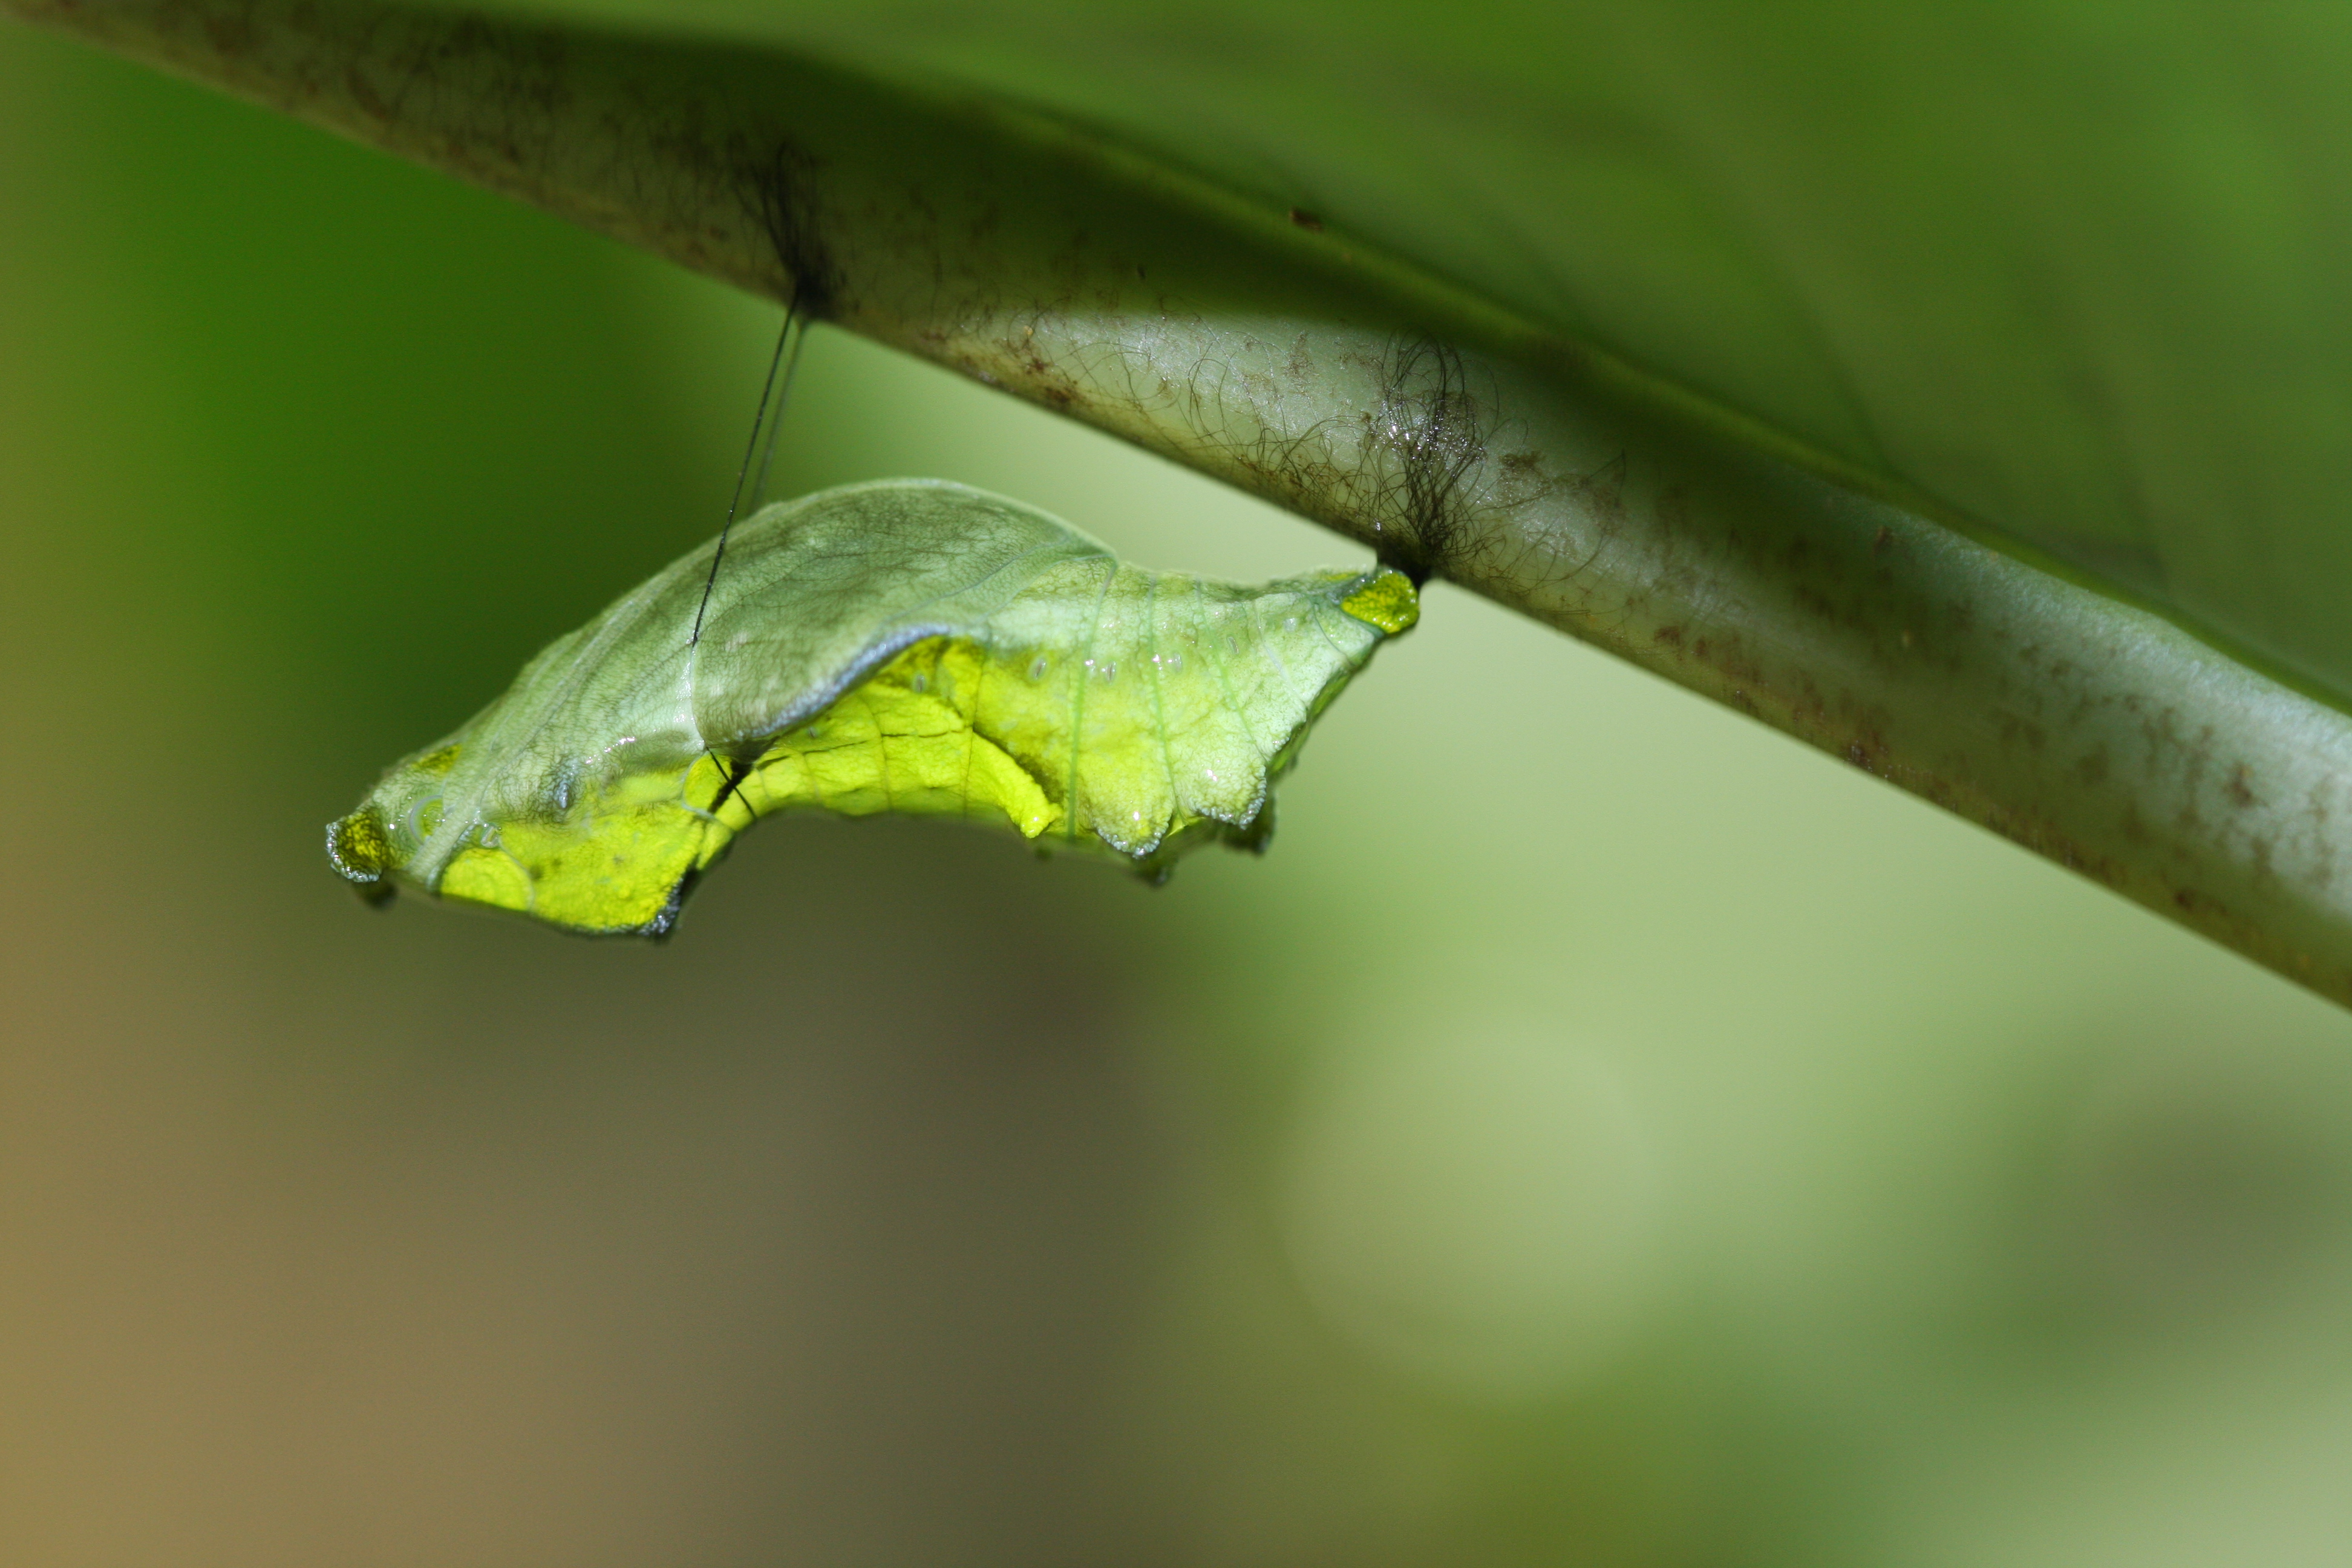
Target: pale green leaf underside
[2080,272]
[908,646]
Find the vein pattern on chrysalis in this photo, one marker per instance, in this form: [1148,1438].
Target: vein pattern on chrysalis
[909,646]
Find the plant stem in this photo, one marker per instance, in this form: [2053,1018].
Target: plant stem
[1455,438]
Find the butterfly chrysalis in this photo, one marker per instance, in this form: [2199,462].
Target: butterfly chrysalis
[906,645]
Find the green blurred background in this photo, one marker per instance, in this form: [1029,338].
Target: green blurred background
[1682,1151]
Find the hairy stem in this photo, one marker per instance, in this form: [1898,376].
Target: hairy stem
[1455,438]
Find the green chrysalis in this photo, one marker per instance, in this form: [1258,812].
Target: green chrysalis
[909,646]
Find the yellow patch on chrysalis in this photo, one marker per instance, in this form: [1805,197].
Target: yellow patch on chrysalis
[437,761]
[613,863]
[359,847]
[616,861]
[1388,601]
[903,742]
